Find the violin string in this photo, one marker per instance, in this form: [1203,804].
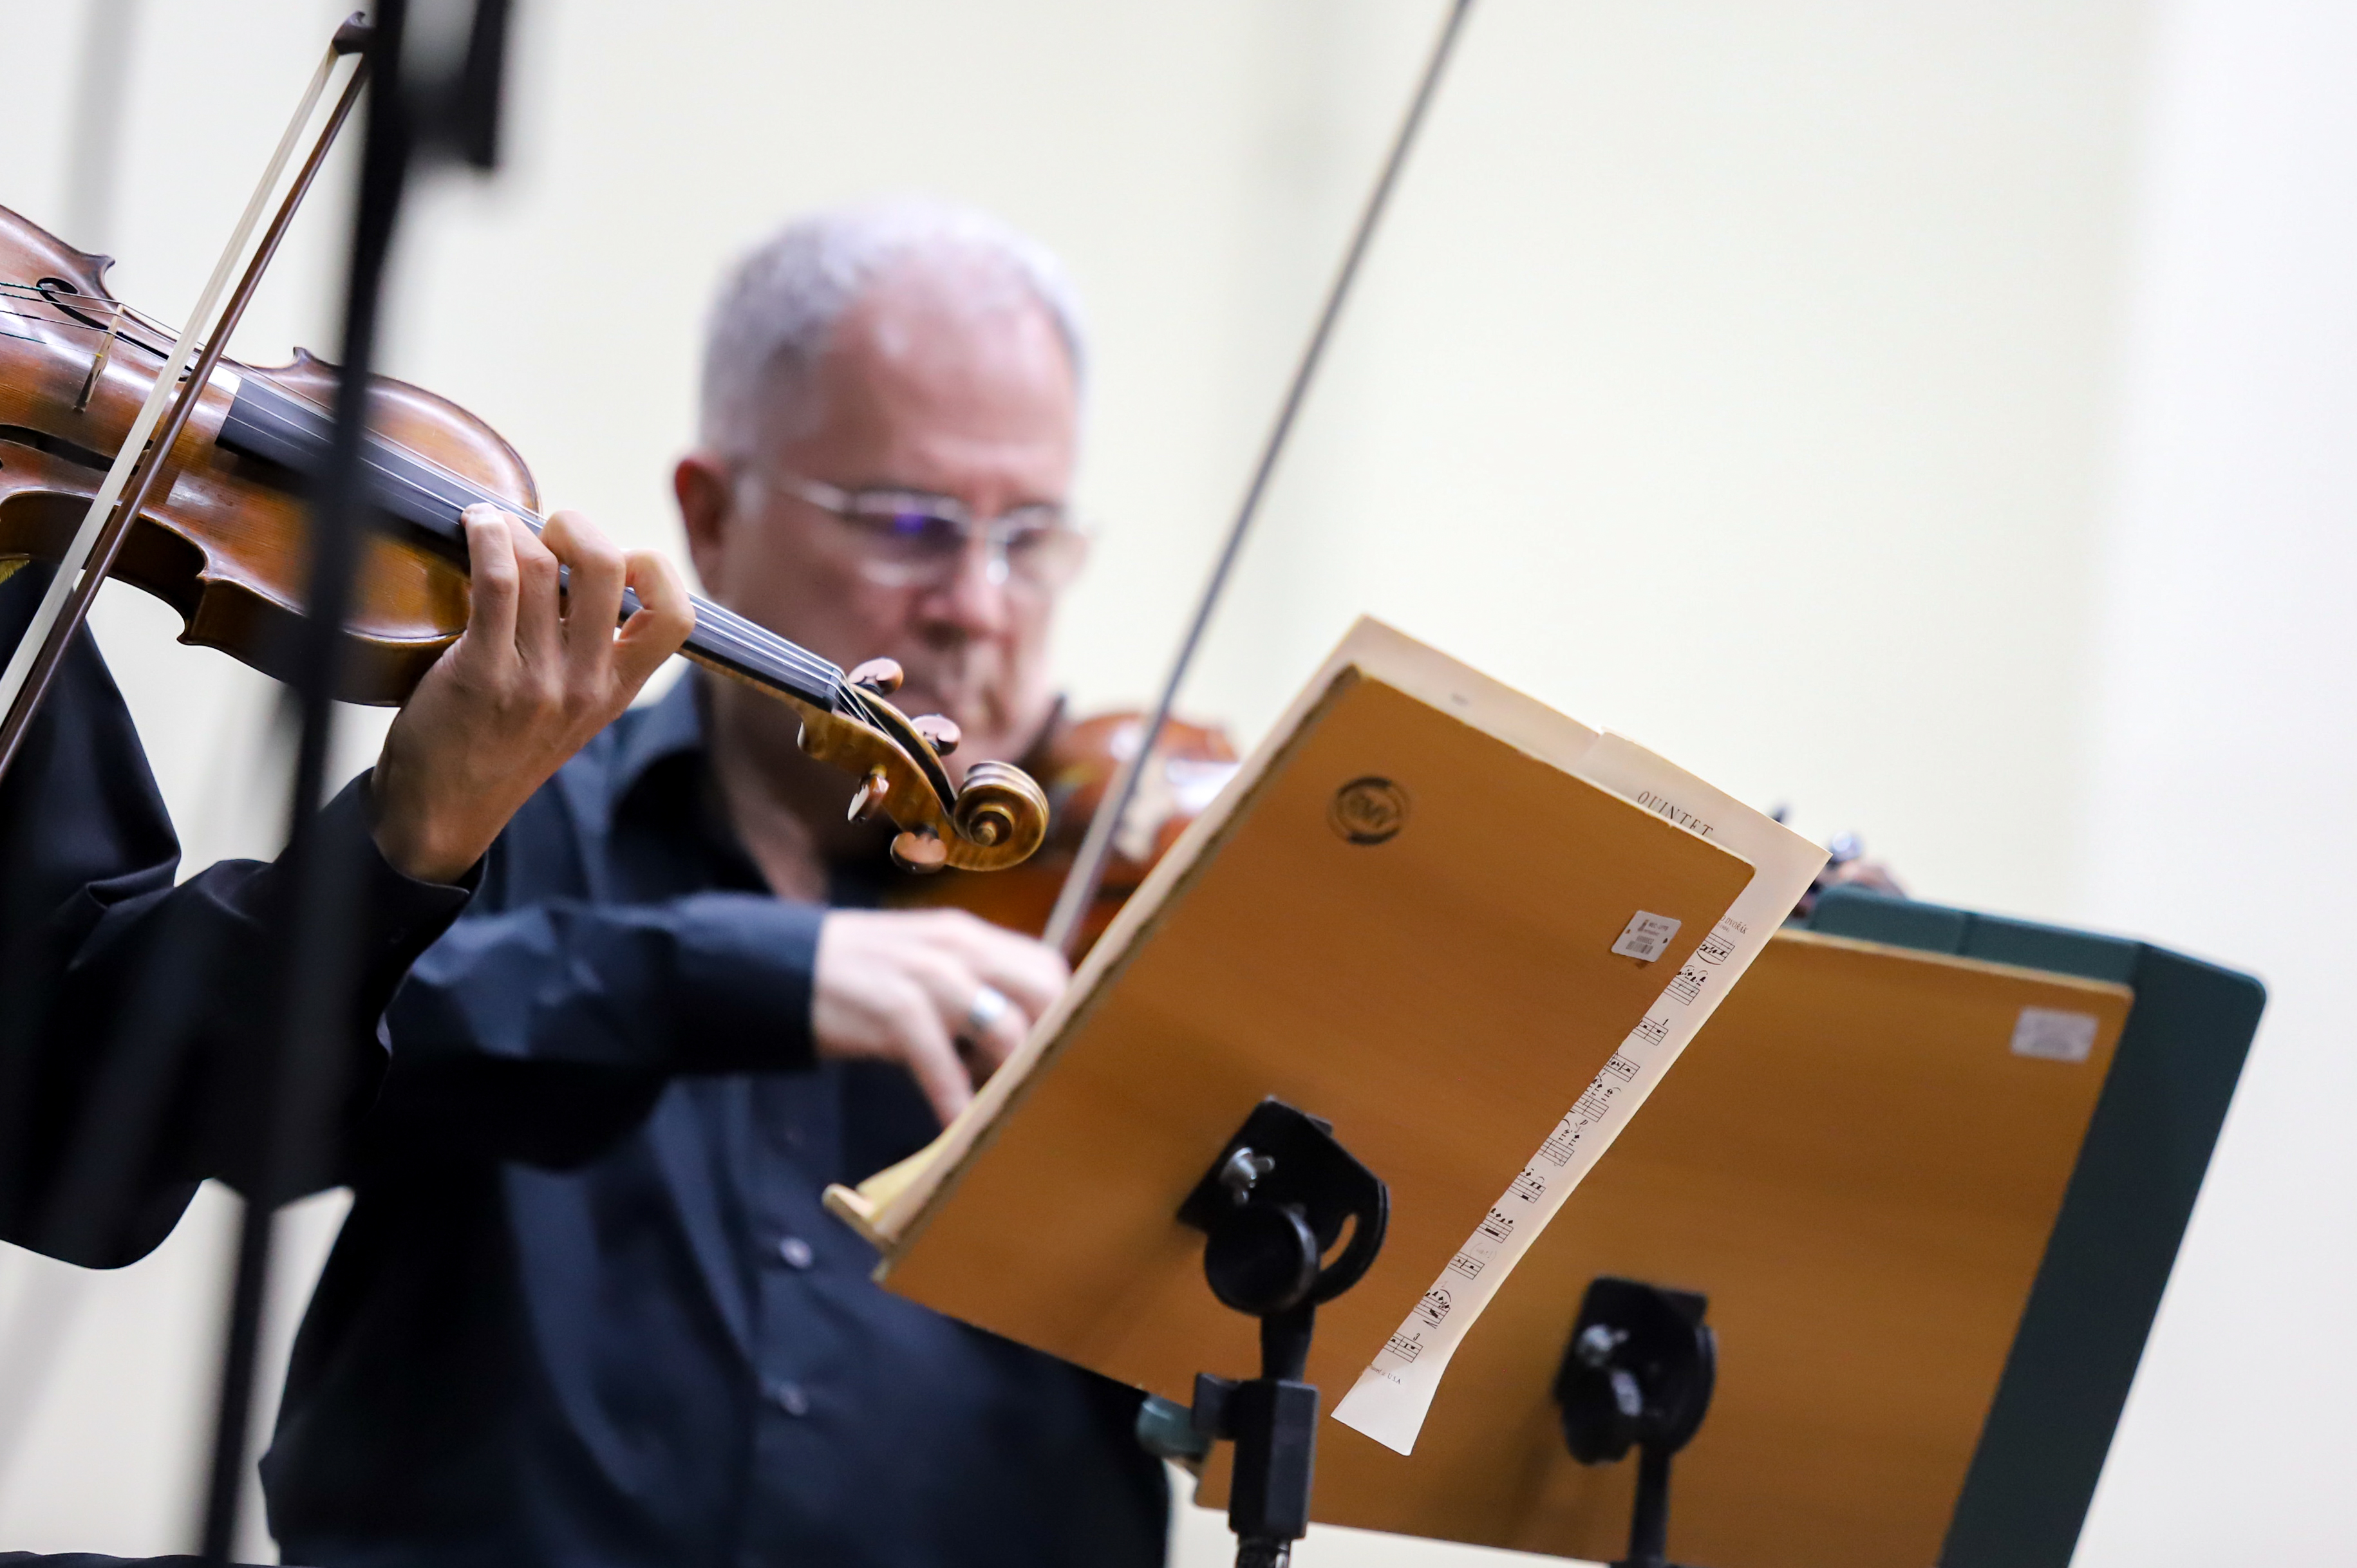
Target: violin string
[69,324]
[59,317]
[747,641]
[751,642]
[72,589]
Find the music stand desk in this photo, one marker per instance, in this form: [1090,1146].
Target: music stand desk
[1932,1259]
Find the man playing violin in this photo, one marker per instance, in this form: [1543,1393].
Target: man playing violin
[135,1015]
[587,1306]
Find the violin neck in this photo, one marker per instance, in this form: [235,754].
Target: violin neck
[270,424]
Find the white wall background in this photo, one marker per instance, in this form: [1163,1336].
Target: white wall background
[2220,747]
[1931,415]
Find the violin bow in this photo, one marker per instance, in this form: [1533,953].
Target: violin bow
[1081,884]
[141,463]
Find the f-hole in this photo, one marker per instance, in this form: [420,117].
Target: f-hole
[52,287]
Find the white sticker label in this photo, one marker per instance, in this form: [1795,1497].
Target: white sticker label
[2053,1035]
[1646,937]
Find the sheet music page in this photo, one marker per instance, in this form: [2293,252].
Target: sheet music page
[1392,1396]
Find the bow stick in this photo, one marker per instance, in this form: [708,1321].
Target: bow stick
[141,463]
[1080,889]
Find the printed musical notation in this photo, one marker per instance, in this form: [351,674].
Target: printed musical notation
[1598,1101]
[1466,1263]
[1434,1307]
[1562,1143]
[1391,1399]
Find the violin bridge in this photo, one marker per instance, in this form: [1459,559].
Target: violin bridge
[98,361]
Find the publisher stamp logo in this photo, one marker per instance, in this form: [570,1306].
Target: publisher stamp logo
[1368,810]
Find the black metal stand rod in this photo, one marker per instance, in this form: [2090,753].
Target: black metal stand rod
[1649,1525]
[1276,1443]
[1273,1204]
[1285,1342]
[306,1080]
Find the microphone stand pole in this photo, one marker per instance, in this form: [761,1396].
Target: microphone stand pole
[307,1083]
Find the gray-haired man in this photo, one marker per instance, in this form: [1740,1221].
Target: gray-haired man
[587,1308]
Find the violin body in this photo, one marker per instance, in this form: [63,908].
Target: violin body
[1077,764]
[224,543]
[224,538]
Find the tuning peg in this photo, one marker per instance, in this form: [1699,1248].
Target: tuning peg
[881,676]
[920,851]
[942,734]
[871,793]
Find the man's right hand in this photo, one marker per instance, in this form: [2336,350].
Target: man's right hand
[910,987]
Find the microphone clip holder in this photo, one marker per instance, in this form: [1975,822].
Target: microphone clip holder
[1638,1373]
[1282,1198]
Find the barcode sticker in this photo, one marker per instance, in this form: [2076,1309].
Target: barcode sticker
[2054,1036]
[1646,937]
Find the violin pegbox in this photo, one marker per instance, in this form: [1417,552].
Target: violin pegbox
[881,678]
[920,850]
[939,732]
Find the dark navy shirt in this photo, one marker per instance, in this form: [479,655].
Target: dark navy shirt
[587,1308]
[136,1016]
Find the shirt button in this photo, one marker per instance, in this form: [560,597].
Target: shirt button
[796,1253]
[789,1397]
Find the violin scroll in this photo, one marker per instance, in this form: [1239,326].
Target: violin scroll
[1001,805]
[996,820]
[1078,762]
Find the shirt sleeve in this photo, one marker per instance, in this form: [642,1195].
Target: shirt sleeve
[209,951]
[544,1031]
[138,1017]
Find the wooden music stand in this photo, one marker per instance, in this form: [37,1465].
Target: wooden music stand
[1931,1243]
[1407,915]
[1440,996]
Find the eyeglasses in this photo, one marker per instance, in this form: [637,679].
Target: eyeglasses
[908,538]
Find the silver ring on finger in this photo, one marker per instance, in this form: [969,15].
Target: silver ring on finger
[988,1006]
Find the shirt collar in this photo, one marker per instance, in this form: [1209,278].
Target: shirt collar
[661,778]
[670,726]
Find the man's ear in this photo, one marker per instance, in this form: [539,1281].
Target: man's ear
[706,492]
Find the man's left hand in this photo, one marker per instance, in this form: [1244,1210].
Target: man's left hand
[533,676]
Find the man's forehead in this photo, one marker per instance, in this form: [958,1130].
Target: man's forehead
[938,355]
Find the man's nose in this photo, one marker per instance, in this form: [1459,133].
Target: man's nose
[974,596]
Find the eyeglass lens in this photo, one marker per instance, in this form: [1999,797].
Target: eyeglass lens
[1030,545]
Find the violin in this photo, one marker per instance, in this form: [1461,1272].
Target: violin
[1077,763]
[223,540]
